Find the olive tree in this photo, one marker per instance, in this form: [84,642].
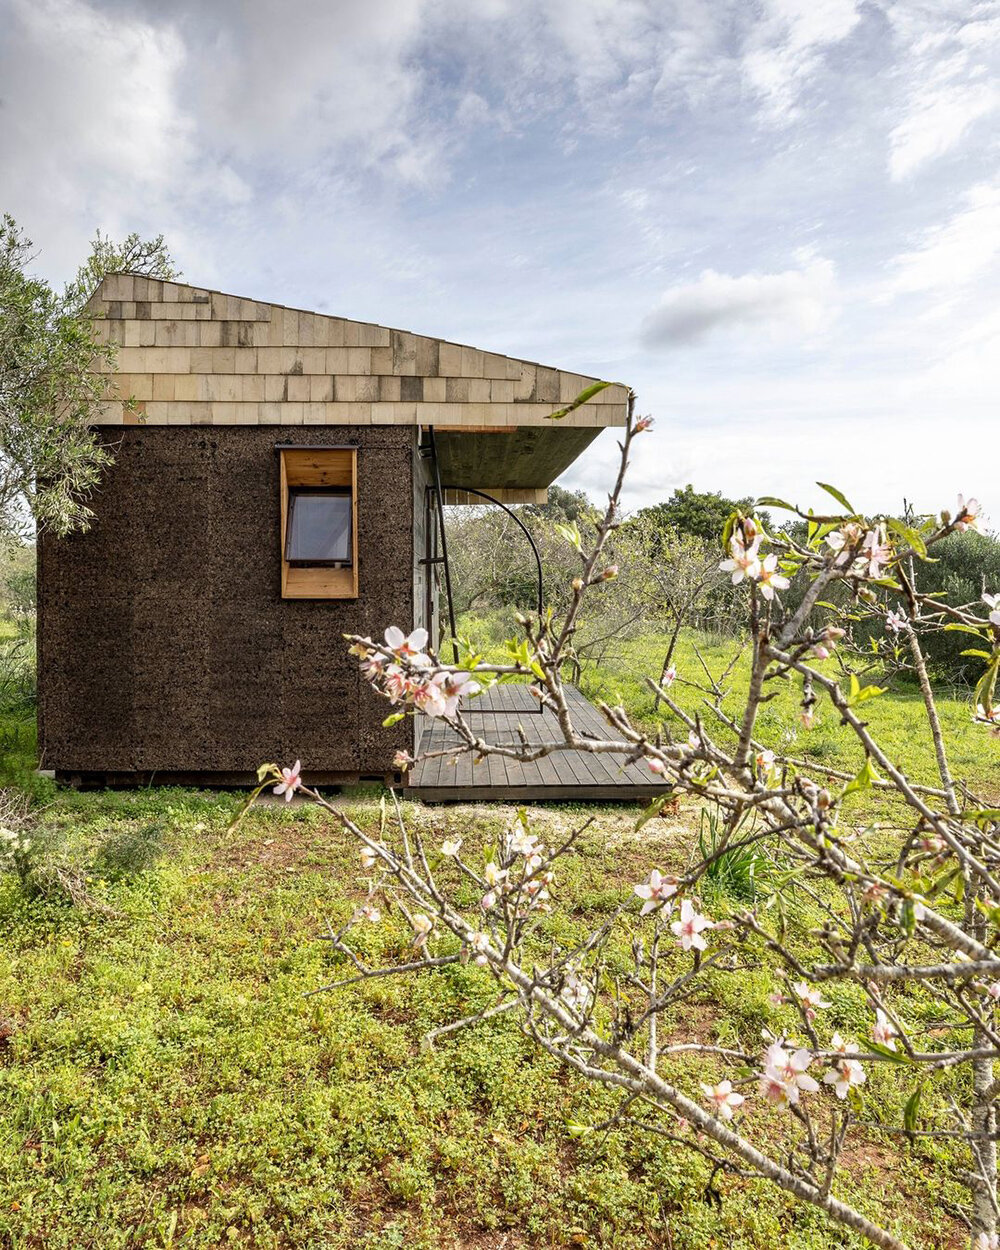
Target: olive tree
[52,380]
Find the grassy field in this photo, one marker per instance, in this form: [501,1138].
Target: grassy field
[166,1081]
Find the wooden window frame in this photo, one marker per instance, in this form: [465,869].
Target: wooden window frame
[318,467]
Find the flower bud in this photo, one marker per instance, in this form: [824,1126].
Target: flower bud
[578,583]
[610,572]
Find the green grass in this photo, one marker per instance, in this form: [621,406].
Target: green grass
[897,718]
[166,1080]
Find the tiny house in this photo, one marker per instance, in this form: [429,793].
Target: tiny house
[279,480]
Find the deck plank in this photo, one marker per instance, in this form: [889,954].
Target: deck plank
[561,775]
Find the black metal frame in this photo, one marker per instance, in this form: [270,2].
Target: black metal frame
[439,490]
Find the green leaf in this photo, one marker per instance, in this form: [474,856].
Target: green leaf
[864,779]
[770,501]
[983,815]
[727,530]
[394,719]
[965,629]
[983,655]
[894,1056]
[911,1109]
[571,533]
[266,770]
[840,498]
[582,398]
[909,535]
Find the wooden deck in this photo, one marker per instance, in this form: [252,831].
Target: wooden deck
[560,776]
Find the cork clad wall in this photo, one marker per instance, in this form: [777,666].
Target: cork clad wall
[164,644]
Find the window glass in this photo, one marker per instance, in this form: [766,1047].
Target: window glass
[319,527]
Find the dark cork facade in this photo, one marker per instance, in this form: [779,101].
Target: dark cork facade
[165,649]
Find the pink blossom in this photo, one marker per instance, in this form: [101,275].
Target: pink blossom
[967,514]
[723,1098]
[689,928]
[744,561]
[875,552]
[987,1241]
[369,858]
[576,993]
[657,766]
[885,1032]
[994,991]
[669,677]
[609,573]
[402,760]
[370,913]
[657,891]
[810,999]
[785,1076]
[411,646]
[845,1072]
[896,621]
[479,944]
[821,652]
[765,761]
[291,779]
[644,423]
[494,875]
[422,926]
[769,578]
[808,718]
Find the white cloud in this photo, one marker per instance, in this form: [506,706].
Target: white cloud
[948,66]
[785,48]
[957,253]
[797,302]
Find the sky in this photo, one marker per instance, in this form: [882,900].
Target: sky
[777,220]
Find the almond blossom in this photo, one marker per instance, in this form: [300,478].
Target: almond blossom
[724,1098]
[576,993]
[769,578]
[967,514]
[765,761]
[785,1075]
[412,646]
[875,552]
[291,779]
[993,603]
[422,926]
[845,1072]
[403,760]
[885,1032]
[451,846]
[657,891]
[478,944]
[987,1241]
[369,857]
[689,928]
[743,562]
[810,999]
[494,875]
[370,913]
[896,621]
[670,676]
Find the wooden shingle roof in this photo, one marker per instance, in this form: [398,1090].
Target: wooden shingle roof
[190,356]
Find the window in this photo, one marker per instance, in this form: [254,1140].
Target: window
[319,527]
[319,514]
